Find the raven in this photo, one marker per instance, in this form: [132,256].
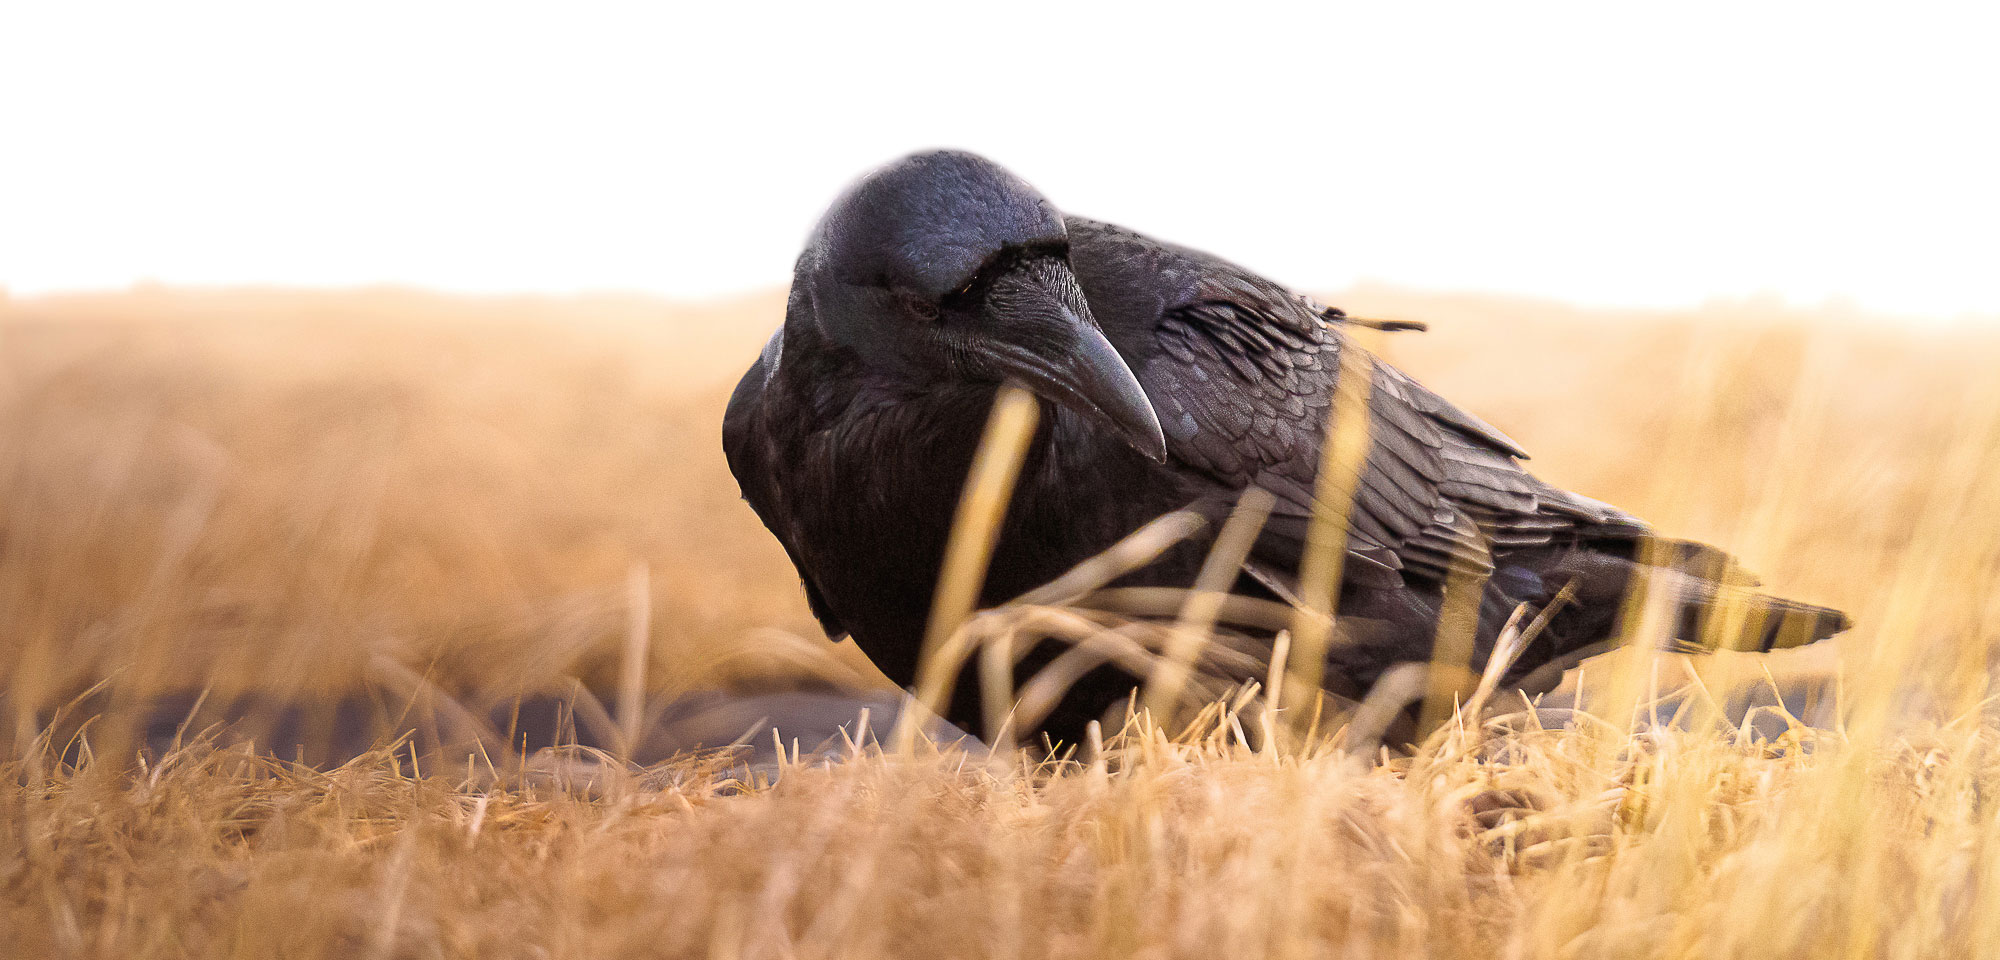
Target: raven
[1167,378]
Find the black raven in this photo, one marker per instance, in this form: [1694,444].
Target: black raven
[1167,378]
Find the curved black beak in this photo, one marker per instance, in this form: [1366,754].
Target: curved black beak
[1038,330]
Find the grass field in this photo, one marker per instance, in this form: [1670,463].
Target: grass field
[296,492]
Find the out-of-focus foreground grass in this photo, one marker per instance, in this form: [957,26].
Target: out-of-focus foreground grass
[284,491]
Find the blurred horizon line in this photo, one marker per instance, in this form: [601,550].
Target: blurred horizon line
[1841,308]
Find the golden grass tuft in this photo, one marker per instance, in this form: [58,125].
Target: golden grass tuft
[258,490]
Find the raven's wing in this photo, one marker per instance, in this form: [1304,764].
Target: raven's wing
[1243,380]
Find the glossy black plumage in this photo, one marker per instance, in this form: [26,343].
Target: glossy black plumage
[852,433]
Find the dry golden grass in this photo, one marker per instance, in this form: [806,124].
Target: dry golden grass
[279,490]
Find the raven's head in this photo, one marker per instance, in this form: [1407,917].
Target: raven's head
[944,266]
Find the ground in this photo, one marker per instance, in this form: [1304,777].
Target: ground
[305,492]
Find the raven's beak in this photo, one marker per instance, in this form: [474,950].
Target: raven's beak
[1040,332]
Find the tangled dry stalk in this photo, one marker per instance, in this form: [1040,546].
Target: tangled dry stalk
[275,490]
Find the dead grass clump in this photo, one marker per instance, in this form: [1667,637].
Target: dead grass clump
[1540,843]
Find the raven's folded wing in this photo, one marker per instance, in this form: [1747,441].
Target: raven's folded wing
[1243,382]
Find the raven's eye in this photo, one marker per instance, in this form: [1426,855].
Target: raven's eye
[919,307]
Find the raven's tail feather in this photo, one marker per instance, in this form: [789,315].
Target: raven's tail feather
[1721,607]
[1717,604]
[1727,617]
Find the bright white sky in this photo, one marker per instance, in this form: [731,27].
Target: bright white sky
[1598,153]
